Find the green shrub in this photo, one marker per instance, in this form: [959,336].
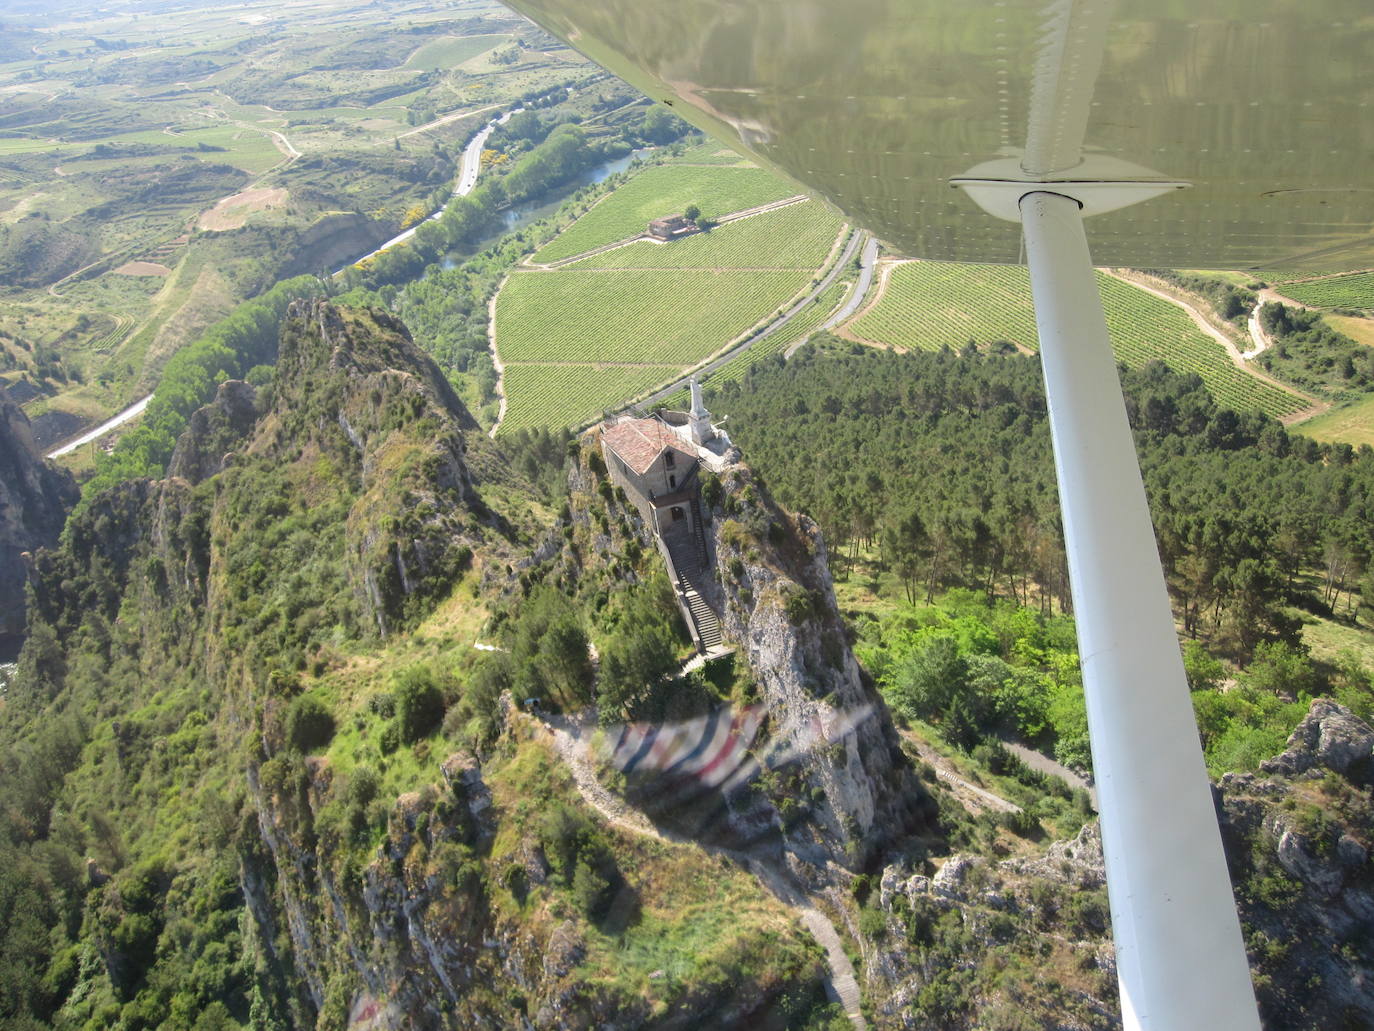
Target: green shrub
[309,724]
[591,889]
[872,923]
[419,703]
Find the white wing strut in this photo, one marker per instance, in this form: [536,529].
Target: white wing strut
[1180,957]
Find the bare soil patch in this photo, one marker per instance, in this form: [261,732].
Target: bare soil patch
[232,212]
[142,268]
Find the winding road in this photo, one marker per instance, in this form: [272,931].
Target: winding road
[467,179]
[133,410]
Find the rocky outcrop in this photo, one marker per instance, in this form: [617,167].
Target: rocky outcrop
[773,588]
[332,241]
[1298,837]
[353,384]
[1330,737]
[214,431]
[35,497]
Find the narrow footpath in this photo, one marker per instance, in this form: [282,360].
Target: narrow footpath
[496,362]
[969,795]
[570,737]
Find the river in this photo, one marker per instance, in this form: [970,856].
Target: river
[468,170]
[517,216]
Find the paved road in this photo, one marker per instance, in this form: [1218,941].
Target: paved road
[868,262]
[777,324]
[467,179]
[134,409]
[468,171]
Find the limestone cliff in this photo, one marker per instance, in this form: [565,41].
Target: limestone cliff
[357,872]
[774,593]
[35,497]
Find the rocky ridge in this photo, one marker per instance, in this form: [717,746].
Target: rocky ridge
[35,497]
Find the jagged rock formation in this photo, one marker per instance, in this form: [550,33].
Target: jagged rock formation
[1298,836]
[773,588]
[35,497]
[214,431]
[352,504]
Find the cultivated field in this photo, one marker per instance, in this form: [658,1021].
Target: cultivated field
[1355,291]
[570,395]
[801,325]
[607,328]
[798,236]
[451,51]
[929,305]
[665,190]
[671,317]
[141,151]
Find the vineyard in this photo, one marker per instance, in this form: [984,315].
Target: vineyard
[664,190]
[1355,291]
[803,324]
[598,332]
[570,395]
[797,236]
[659,316]
[929,305]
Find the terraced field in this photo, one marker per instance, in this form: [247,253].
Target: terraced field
[665,190]
[1355,291]
[929,305]
[594,334]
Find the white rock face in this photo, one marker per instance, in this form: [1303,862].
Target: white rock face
[776,600]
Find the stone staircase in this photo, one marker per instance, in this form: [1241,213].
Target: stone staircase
[686,552]
[708,626]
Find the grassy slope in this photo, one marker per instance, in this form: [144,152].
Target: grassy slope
[1359,330]
[1350,423]
[453,50]
[929,305]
